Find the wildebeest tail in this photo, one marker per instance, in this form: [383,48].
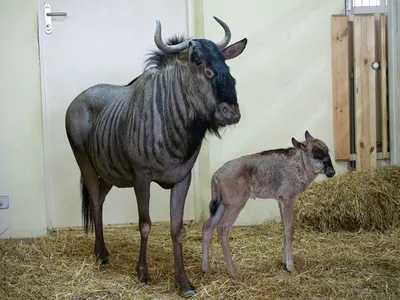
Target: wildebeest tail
[216,197]
[86,214]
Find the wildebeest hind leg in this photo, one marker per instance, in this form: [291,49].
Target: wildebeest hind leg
[142,192]
[97,190]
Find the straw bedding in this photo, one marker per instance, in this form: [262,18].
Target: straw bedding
[368,200]
[330,265]
[353,253]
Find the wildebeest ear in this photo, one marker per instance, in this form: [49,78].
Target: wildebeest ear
[298,145]
[183,56]
[235,49]
[308,135]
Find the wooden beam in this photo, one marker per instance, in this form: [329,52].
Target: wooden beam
[340,87]
[365,91]
[383,81]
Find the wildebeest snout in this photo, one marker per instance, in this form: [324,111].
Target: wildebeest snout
[330,171]
[227,114]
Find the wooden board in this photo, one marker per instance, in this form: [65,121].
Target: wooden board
[365,91]
[383,86]
[340,87]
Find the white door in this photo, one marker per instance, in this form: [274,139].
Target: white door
[98,41]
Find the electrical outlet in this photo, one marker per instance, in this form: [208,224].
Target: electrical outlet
[4,202]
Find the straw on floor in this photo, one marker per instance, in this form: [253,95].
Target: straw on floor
[330,265]
[346,245]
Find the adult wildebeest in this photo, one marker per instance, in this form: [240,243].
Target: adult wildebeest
[152,130]
[281,174]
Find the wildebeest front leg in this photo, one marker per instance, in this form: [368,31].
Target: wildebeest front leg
[287,208]
[178,197]
[142,191]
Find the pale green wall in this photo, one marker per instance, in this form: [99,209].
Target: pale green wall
[21,143]
[284,81]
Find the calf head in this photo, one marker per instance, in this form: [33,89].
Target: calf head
[318,153]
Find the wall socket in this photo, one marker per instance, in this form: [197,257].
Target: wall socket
[4,202]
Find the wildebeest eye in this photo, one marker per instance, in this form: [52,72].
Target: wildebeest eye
[318,154]
[197,61]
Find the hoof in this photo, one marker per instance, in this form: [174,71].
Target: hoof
[144,278]
[233,274]
[188,293]
[291,270]
[186,288]
[104,264]
[205,267]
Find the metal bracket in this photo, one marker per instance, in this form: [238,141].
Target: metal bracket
[47,17]
[4,202]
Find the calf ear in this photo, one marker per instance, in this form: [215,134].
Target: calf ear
[308,135]
[235,49]
[298,145]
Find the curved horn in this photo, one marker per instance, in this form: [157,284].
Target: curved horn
[227,38]
[167,48]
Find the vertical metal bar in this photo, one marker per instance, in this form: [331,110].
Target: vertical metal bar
[352,123]
[393,84]
[383,85]
[352,163]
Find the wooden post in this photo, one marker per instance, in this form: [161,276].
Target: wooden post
[383,70]
[340,87]
[365,91]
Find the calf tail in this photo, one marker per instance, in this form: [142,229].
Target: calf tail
[216,197]
[86,214]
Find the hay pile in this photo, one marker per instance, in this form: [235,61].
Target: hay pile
[368,200]
[330,265]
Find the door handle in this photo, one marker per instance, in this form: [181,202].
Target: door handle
[48,28]
[57,14]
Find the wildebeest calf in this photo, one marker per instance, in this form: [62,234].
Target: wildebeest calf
[281,174]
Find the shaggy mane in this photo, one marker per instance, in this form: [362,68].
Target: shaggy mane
[160,59]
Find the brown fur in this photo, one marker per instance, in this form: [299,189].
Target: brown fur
[281,174]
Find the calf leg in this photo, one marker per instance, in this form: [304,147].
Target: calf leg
[208,229]
[287,212]
[97,189]
[284,239]
[178,197]
[142,191]
[228,219]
